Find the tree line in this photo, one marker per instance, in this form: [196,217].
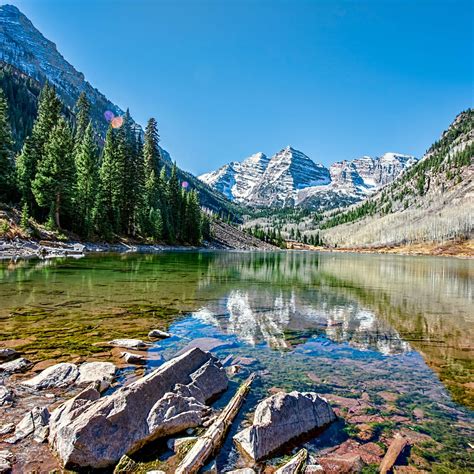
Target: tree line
[65,179]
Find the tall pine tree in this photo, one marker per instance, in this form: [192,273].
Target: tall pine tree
[53,185]
[49,112]
[82,110]
[110,195]
[87,177]
[6,152]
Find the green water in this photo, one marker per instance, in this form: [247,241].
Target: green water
[396,331]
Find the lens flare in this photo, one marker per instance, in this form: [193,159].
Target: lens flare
[117,122]
[185,184]
[109,115]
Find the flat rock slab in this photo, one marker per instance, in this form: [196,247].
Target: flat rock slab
[101,373]
[57,376]
[14,366]
[281,418]
[89,431]
[129,343]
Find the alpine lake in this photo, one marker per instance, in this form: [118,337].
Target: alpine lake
[387,339]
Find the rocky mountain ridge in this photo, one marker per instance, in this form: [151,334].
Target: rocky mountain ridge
[290,178]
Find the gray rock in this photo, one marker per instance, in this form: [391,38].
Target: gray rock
[174,443]
[57,376]
[6,396]
[157,334]
[8,428]
[313,469]
[7,354]
[17,365]
[281,418]
[33,423]
[133,358]
[129,343]
[96,372]
[6,459]
[89,431]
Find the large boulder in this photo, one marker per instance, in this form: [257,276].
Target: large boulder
[281,418]
[88,431]
[57,376]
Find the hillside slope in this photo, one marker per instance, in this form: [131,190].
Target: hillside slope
[28,60]
[433,201]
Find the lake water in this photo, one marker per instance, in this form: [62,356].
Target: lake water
[394,332]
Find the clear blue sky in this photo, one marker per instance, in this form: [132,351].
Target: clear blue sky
[226,78]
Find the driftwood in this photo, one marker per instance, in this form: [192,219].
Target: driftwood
[213,437]
[295,464]
[396,447]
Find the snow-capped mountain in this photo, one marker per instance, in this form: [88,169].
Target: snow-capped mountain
[237,180]
[292,178]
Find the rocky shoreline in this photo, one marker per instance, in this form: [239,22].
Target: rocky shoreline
[95,415]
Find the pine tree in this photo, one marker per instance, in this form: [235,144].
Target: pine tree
[110,193]
[82,110]
[49,112]
[174,200]
[193,230]
[163,198]
[6,152]
[87,168]
[53,185]
[151,157]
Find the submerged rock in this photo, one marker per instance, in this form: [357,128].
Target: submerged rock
[133,358]
[342,464]
[17,365]
[96,372]
[33,423]
[129,343]
[57,376]
[281,418]
[7,354]
[89,431]
[157,334]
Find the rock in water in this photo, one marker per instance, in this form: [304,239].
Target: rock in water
[89,431]
[281,418]
[157,334]
[57,376]
[133,358]
[17,365]
[101,372]
[129,343]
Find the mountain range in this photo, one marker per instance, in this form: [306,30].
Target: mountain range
[290,178]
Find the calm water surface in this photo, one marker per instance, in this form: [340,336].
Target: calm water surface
[397,332]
